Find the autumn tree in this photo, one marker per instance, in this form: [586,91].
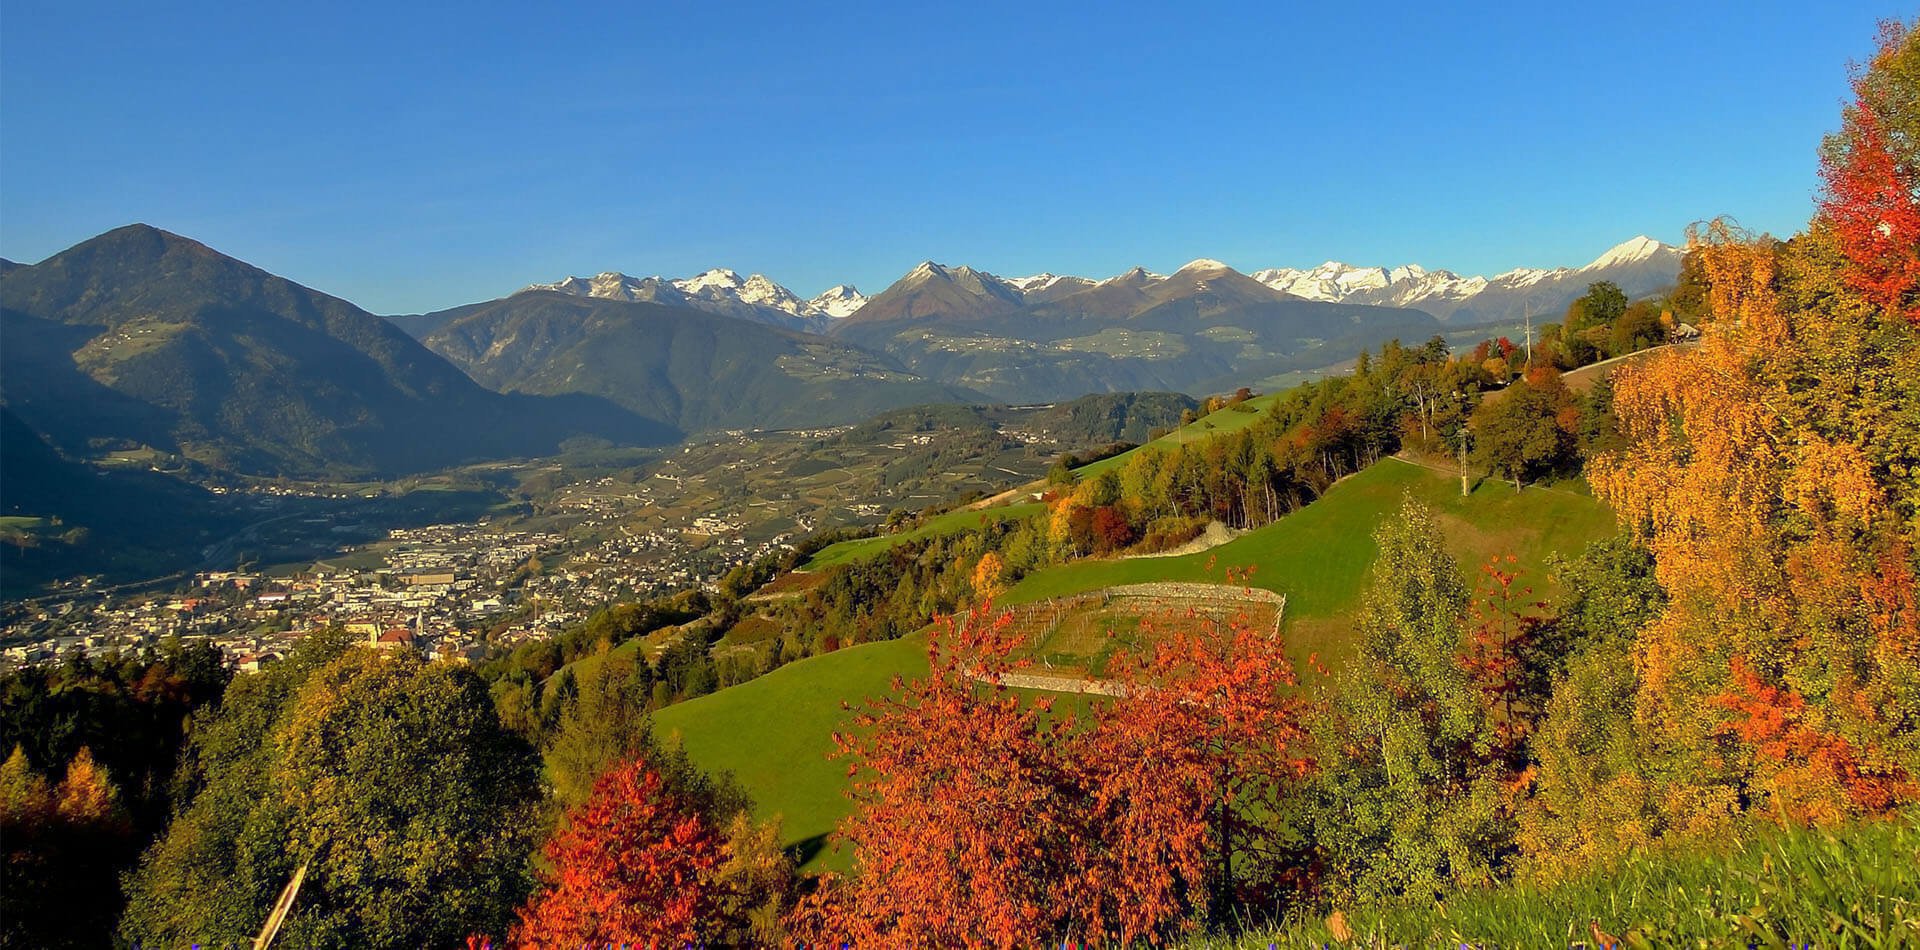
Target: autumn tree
[964,818]
[62,846]
[1417,784]
[632,864]
[1771,473]
[1871,171]
[1188,768]
[1767,474]
[1528,430]
[983,820]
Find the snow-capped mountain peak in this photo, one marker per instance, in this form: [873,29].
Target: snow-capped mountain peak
[840,300]
[1201,264]
[1036,282]
[720,290]
[1641,265]
[1630,252]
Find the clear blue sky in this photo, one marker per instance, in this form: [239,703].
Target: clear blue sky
[412,156]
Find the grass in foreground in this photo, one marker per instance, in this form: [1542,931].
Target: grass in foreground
[1852,887]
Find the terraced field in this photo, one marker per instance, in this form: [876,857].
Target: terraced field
[1078,635]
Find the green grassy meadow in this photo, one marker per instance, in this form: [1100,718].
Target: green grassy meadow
[1221,422]
[952,522]
[1318,556]
[774,732]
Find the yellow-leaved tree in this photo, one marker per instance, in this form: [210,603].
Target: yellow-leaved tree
[1774,474]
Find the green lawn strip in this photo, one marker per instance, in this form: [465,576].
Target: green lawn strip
[952,522]
[1221,422]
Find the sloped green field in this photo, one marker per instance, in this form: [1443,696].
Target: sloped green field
[773,733]
[953,522]
[1318,556]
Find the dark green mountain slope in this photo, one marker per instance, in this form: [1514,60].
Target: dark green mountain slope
[696,370]
[141,337]
[66,518]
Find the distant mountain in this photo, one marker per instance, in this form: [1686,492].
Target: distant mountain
[129,522]
[840,300]
[1203,328]
[934,290]
[1640,266]
[1041,288]
[721,291]
[140,337]
[694,369]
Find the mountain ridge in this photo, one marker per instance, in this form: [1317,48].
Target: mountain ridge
[142,337]
[691,368]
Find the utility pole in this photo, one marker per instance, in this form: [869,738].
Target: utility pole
[1464,491]
[1528,310]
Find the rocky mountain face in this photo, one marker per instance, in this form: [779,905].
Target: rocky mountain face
[1202,328]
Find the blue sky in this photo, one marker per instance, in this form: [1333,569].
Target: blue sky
[416,156]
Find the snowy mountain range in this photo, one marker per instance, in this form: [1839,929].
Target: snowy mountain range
[1640,266]
[721,291]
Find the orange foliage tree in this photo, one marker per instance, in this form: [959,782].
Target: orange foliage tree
[1189,764]
[631,865]
[966,820]
[985,820]
[1775,475]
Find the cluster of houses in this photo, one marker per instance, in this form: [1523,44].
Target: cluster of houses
[448,591]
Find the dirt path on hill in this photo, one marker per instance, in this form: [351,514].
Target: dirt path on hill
[1216,534]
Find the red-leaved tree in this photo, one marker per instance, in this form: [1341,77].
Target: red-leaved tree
[1872,173]
[1185,770]
[983,820]
[632,865]
[966,816]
